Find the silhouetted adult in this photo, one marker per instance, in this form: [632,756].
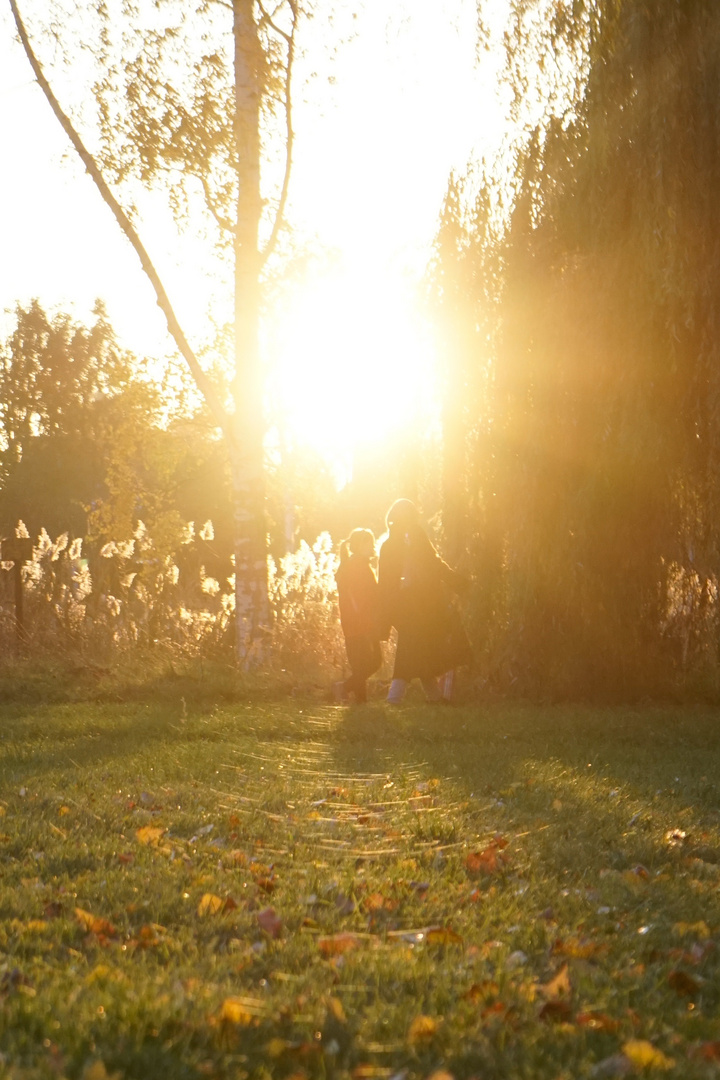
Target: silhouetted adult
[415,586]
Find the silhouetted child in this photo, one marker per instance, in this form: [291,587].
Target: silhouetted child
[359,613]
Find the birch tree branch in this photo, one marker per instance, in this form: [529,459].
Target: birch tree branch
[205,385]
[289,139]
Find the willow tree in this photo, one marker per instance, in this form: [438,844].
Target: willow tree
[611,354]
[601,470]
[194,95]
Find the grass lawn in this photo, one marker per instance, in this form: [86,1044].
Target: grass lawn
[195,885]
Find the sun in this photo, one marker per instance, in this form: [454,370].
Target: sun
[353,364]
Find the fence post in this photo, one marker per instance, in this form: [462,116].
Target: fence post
[18,550]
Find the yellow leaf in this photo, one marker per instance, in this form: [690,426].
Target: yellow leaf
[559,987]
[697,929]
[644,1055]
[335,1008]
[36,926]
[422,1029]
[95,1070]
[63,811]
[149,834]
[210,904]
[557,804]
[234,1011]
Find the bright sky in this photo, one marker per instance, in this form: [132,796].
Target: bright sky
[408,101]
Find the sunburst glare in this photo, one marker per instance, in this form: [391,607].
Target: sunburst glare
[353,364]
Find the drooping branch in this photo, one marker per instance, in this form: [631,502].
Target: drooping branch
[289,132]
[204,384]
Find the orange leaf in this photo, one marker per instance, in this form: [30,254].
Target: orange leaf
[442,935]
[490,859]
[481,991]
[580,948]
[709,1051]
[269,921]
[93,924]
[597,1021]
[336,944]
[376,902]
[422,1029]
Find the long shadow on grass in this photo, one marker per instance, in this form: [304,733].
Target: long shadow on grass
[596,790]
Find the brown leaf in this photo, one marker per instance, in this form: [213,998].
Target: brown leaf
[683,984]
[269,922]
[556,1011]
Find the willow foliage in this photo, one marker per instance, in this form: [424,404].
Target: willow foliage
[599,469]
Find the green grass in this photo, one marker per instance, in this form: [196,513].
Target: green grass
[390,951]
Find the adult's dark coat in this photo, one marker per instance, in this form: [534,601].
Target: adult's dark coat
[415,597]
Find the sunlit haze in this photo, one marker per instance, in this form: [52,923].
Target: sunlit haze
[381,119]
[352,361]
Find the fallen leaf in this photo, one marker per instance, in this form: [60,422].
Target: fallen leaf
[442,935]
[644,1055]
[482,991]
[335,1008]
[422,1029]
[557,987]
[210,904]
[596,1021]
[336,944]
[95,1070]
[490,859]
[683,984]
[93,924]
[579,948]
[697,929]
[150,835]
[234,1010]
[556,1011]
[708,1051]
[269,922]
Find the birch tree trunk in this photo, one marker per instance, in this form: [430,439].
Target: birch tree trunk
[252,616]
